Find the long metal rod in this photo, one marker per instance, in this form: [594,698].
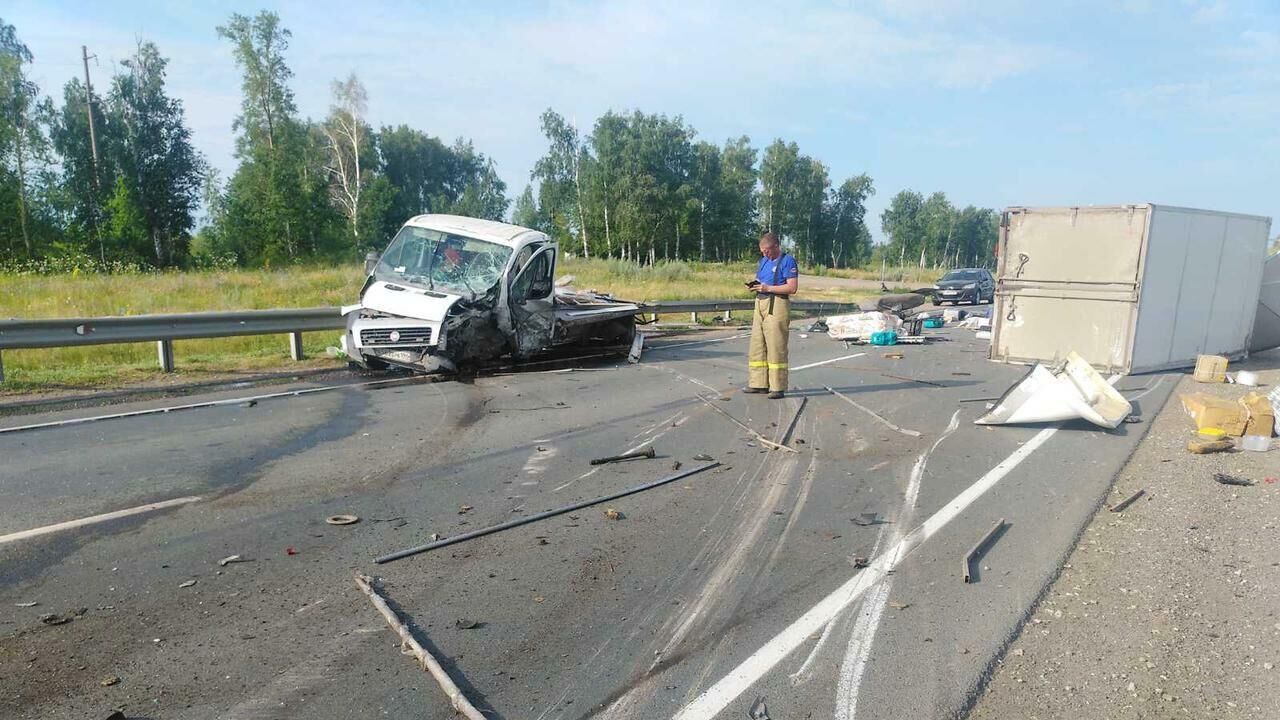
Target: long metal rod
[408,642]
[1120,506]
[969,556]
[539,516]
[786,436]
[759,438]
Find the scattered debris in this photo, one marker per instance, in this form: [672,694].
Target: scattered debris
[465,624]
[410,645]
[438,543]
[1205,447]
[675,465]
[861,326]
[290,551]
[703,457]
[26,604]
[613,514]
[1249,415]
[899,606]
[463,510]
[1069,391]
[1226,479]
[962,374]
[867,519]
[230,559]
[342,519]
[109,681]
[977,548]
[433,537]
[1131,419]
[648,453]
[759,710]
[1120,506]
[894,356]
[117,715]
[55,619]
[187,584]
[872,413]
[859,561]
[817,326]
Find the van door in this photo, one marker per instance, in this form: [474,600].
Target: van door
[532,303]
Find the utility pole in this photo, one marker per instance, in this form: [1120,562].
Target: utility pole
[93,146]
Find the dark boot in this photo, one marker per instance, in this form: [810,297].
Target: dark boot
[754,390]
[777,395]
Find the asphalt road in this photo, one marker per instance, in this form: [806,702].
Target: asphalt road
[731,584]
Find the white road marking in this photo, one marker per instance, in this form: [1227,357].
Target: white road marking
[858,652]
[214,403]
[717,697]
[827,362]
[538,459]
[57,527]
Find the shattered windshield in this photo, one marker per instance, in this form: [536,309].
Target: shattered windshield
[437,260]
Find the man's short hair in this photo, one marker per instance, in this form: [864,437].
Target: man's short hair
[769,239]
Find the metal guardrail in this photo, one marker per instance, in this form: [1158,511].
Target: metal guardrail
[164,329]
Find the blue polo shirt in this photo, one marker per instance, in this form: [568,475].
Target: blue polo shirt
[777,272]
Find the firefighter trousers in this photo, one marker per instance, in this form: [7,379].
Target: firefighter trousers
[767,358]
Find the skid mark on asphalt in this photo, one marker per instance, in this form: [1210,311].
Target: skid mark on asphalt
[321,669]
[854,666]
[717,697]
[756,496]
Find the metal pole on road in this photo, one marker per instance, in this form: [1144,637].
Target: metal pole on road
[540,516]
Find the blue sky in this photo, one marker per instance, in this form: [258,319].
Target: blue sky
[994,102]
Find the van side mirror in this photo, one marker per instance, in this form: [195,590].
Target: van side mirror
[370,262]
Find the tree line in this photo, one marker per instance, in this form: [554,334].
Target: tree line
[115,177]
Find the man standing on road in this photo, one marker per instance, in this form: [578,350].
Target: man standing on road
[777,279]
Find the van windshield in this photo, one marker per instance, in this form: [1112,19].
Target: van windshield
[437,260]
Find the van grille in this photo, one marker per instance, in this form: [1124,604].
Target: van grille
[407,336]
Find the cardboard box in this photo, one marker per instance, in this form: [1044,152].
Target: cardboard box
[1261,419]
[1212,412]
[1250,415]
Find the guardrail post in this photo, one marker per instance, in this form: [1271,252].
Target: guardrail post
[655,317]
[693,318]
[1,367]
[295,346]
[164,348]
[726,316]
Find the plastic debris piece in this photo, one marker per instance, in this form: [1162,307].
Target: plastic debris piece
[466,624]
[759,710]
[463,510]
[109,681]
[1226,479]
[1069,391]
[342,519]
[702,457]
[187,584]
[26,604]
[290,551]
[613,514]
[230,559]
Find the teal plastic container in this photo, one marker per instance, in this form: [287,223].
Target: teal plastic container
[884,337]
[933,323]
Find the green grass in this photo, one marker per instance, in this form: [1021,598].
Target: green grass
[78,295]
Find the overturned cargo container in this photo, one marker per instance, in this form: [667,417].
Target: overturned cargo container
[1130,288]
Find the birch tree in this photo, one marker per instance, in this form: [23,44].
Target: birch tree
[347,137]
